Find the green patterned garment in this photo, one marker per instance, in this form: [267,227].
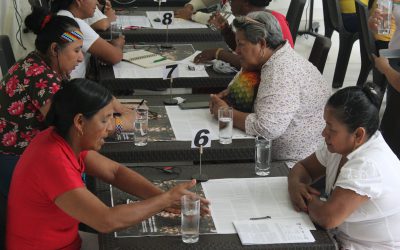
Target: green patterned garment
[243,91]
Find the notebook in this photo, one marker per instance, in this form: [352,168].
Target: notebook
[146,59]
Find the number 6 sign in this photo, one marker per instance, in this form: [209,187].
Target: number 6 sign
[202,138]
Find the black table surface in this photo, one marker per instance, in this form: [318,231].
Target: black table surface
[159,35]
[104,74]
[146,3]
[210,241]
[172,151]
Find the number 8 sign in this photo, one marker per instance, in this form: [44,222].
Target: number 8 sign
[167,17]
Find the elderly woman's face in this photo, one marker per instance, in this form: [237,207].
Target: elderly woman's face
[97,128]
[249,53]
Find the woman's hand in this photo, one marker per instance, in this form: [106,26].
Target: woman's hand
[300,194]
[215,103]
[375,19]
[218,21]
[178,191]
[185,13]
[381,63]
[110,12]
[205,56]
[118,42]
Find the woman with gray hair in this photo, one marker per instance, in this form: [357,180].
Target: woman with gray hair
[291,95]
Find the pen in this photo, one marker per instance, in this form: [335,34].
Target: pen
[159,60]
[261,218]
[140,104]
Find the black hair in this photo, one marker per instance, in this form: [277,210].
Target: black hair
[259,3]
[49,28]
[58,5]
[357,107]
[78,96]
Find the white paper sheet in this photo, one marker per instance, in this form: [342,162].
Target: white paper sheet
[129,70]
[178,23]
[184,122]
[140,21]
[272,231]
[245,198]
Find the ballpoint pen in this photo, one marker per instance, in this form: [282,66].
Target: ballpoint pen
[261,218]
[159,60]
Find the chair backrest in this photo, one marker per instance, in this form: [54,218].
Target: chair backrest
[332,14]
[365,34]
[319,52]
[293,16]
[7,58]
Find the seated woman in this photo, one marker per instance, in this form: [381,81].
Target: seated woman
[26,91]
[102,19]
[291,95]
[239,8]
[47,184]
[362,175]
[107,52]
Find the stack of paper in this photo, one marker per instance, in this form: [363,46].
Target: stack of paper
[272,231]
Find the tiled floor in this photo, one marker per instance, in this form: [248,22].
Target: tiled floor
[304,44]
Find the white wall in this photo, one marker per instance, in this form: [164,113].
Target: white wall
[9,25]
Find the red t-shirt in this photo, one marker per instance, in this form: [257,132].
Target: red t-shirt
[284,27]
[47,169]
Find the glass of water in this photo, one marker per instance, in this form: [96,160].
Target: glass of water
[141,127]
[115,30]
[225,124]
[190,220]
[386,7]
[262,156]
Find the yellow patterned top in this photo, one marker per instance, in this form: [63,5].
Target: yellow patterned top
[349,6]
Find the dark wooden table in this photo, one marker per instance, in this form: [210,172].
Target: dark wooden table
[209,241]
[174,151]
[104,74]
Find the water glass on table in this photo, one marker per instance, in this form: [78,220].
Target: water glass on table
[225,124]
[262,156]
[386,7]
[141,126]
[115,30]
[190,218]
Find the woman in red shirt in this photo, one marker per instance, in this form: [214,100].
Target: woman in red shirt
[48,198]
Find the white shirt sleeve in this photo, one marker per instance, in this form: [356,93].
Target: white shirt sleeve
[97,16]
[361,176]
[322,154]
[89,35]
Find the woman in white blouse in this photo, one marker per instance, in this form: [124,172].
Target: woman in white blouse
[362,203]
[291,95]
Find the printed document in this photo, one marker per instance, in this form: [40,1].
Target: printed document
[272,231]
[241,199]
[186,122]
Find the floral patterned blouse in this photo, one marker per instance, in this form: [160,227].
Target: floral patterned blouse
[27,86]
[289,105]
